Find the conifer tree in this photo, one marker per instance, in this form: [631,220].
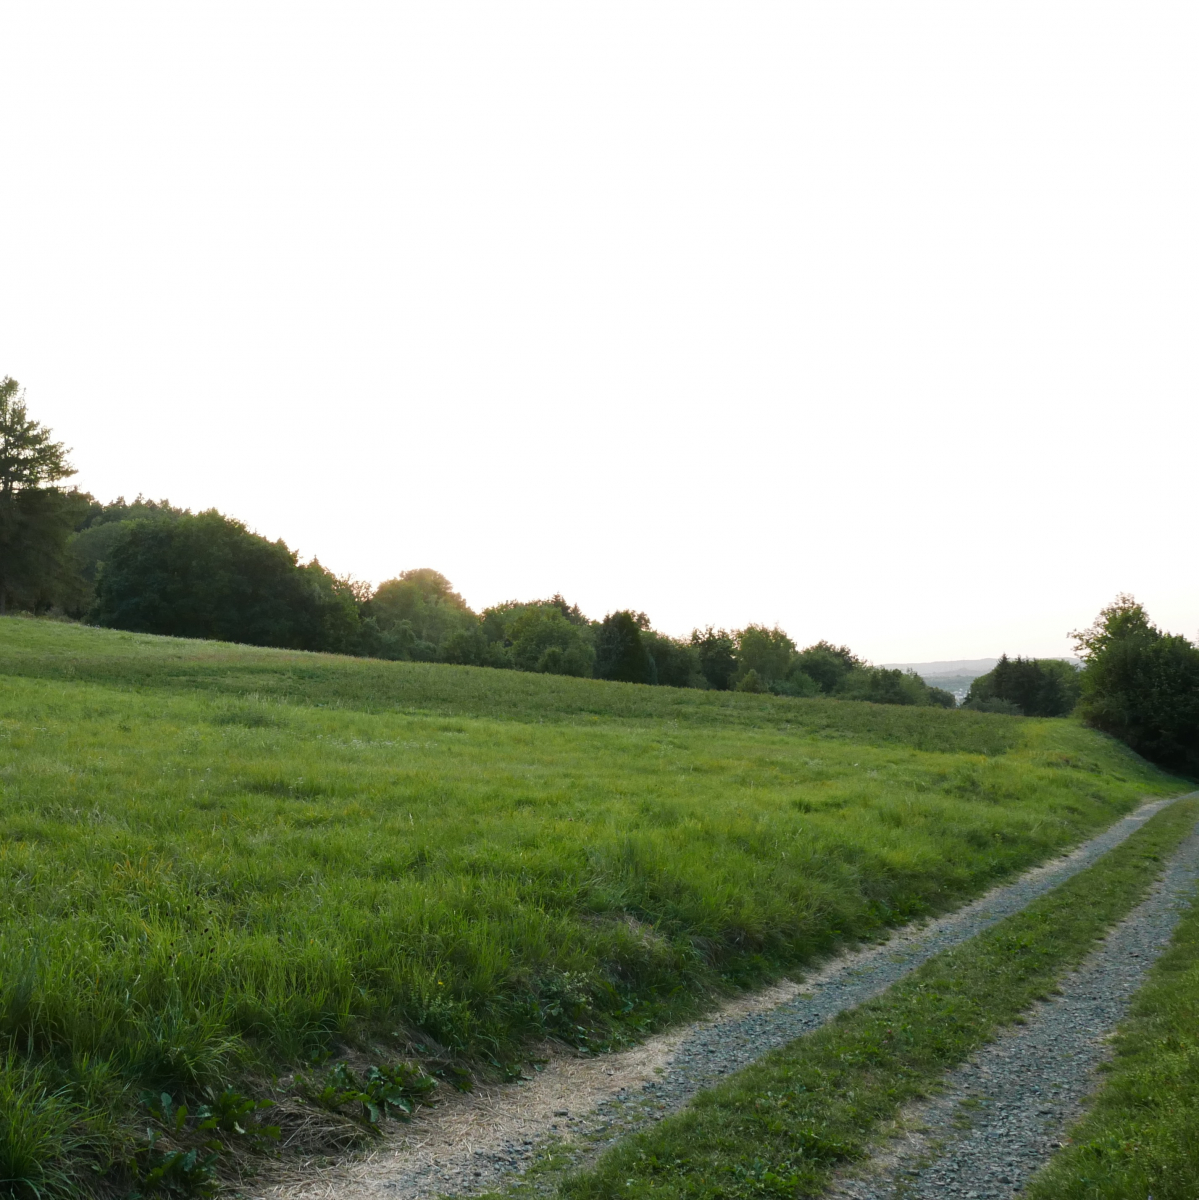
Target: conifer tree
[35,518]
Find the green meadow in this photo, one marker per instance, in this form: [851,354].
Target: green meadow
[219,865]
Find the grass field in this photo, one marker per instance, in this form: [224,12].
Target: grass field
[219,863]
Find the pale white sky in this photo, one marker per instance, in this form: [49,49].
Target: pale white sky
[875,320]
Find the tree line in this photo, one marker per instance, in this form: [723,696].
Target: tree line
[153,568]
[1027,687]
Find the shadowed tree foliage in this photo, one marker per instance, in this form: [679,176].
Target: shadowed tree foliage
[417,615]
[828,665]
[620,652]
[103,527]
[717,650]
[887,685]
[36,518]
[1035,687]
[676,662]
[207,576]
[544,640]
[769,656]
[769,653]
[1141,685]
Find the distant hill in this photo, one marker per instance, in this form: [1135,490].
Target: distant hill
[954,675]
[973,667]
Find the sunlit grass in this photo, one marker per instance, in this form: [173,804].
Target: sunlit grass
[217,862]
[781,1126]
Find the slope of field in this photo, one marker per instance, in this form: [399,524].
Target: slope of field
[47,650]
[219,862]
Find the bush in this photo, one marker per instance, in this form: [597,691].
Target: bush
[993,704]
[883,685]
[797,683]
[1141,685]
[749,682]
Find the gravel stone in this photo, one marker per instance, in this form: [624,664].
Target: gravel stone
[1004,1113]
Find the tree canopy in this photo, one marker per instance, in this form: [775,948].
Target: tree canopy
[36,518]
[620,652]
[1033,687]
[1141,685]
[29,457]
[207,576]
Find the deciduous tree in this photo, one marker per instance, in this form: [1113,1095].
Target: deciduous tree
[1141,685]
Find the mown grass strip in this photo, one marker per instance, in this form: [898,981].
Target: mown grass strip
[780,1127]
[1141,1138]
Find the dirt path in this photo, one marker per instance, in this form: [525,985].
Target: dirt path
[1004,1113]
[470,1143]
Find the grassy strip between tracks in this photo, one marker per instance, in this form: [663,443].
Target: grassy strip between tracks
[1142,1136]
[780,1127]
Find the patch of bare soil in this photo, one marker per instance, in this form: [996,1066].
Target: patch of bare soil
[446,1146]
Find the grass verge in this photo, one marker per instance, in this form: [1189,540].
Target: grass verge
[1141,1138]
[780,1127]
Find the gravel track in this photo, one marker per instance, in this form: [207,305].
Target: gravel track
[582,1106]
[1004,1112]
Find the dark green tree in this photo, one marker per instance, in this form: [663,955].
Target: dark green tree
[207,576]
[36,518]
[827,664]
[101,529]
[417,614]
[1141,685]
[620,652]
[769,653]
[541,636]
[717,652]
[1035,687]
[29,457]
[676,662]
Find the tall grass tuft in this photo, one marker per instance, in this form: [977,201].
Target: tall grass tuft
[38,1141]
